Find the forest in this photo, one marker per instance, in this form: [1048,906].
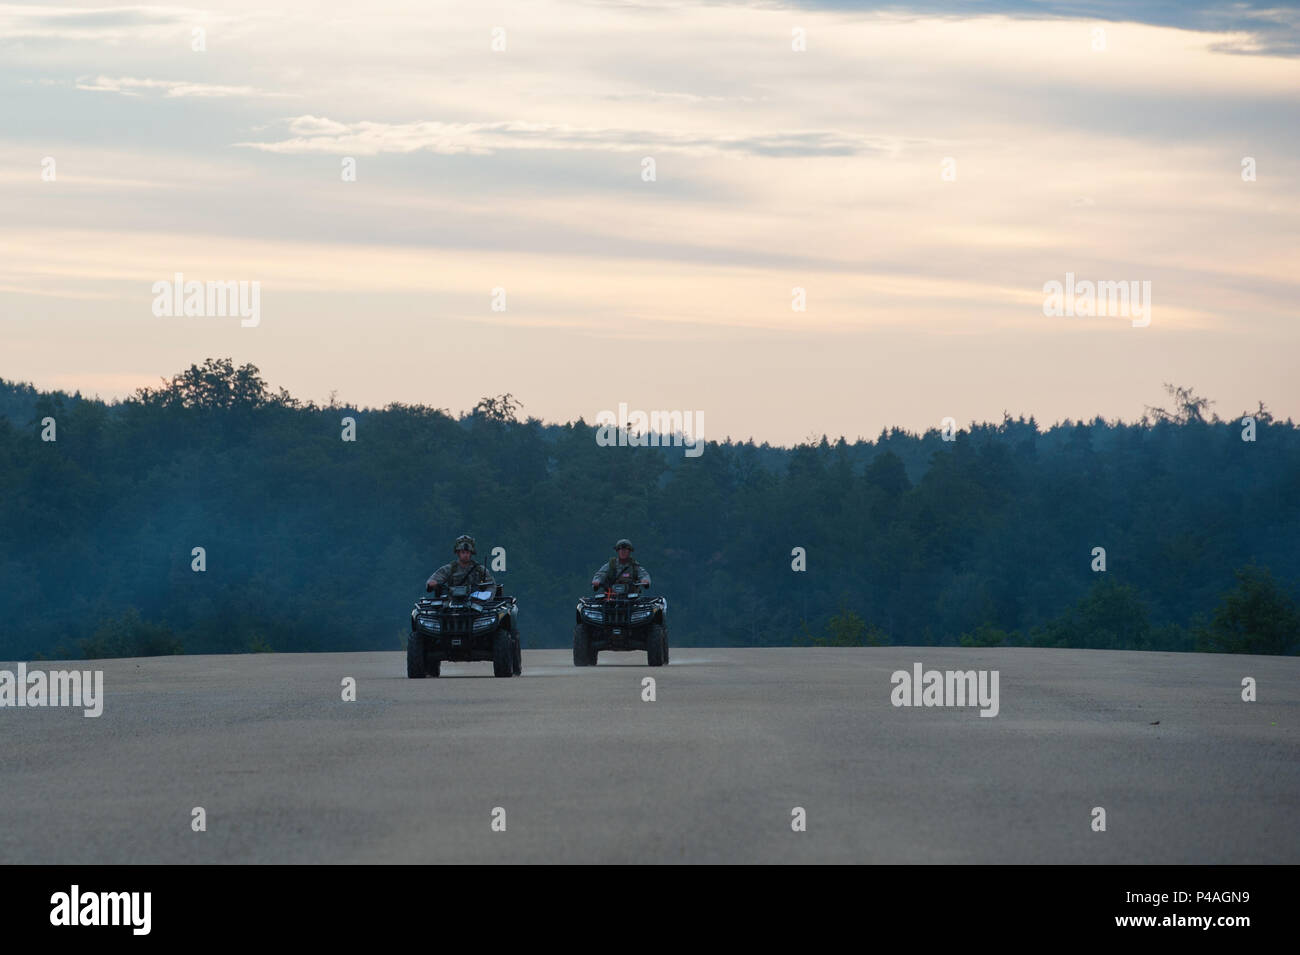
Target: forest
[1176,532]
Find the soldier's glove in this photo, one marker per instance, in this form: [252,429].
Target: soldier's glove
[595,586]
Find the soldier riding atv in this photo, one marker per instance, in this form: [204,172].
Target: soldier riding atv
[621,617]
[467,618]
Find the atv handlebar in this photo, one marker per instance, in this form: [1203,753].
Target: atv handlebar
[609,591]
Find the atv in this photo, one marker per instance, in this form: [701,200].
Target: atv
[621,618]
[461,626]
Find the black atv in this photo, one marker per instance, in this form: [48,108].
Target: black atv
[621,618]
[463,626]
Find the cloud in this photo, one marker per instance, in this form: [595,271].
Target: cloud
[1122,164]
[314,134]
[1272,26]
[316,126]
[130,86]
[661,96]
[21,21]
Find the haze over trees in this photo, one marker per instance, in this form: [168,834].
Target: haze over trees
[311,542]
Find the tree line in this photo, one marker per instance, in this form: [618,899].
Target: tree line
[313,543]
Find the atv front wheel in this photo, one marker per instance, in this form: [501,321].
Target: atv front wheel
[656,648]
[503,654]
[434,668]
[581,647]
[519,655]
[415,665]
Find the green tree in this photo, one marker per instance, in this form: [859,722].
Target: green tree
[129,635]
[1188,407]
[503,408]
[217,383]
[987,635]
[1256,616]
[847,629]
[1111,616]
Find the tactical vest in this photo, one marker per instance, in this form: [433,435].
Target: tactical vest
[472,575]
[610,574]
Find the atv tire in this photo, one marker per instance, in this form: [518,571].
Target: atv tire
[656,648]
[416,668]
[503,654]
[518,654]
[581,647]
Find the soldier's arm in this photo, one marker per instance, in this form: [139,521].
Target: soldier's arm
[438,579]
[485,576]
[598,578]
[644,578]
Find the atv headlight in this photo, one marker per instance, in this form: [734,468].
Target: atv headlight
[594,613]
[639,615]
[485,623]
[432,624]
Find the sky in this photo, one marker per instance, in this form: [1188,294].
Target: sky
[921,172]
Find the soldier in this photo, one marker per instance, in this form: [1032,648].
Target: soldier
[466,570]
[621,569]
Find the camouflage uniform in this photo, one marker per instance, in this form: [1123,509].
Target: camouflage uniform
[453,575]
[617,571]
